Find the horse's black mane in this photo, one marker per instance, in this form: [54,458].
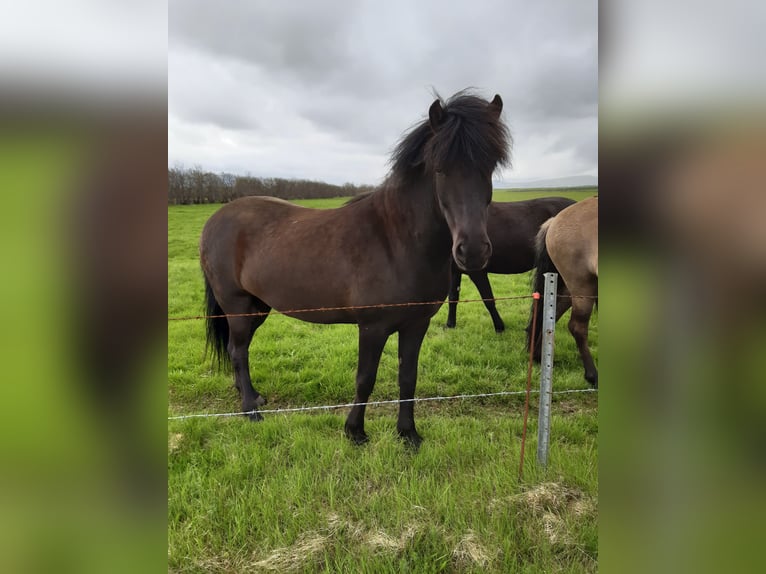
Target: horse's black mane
[360,197]
[471,135]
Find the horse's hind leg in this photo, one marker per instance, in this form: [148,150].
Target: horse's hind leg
[582,307]
[241,331]
[563,303]
[481,280]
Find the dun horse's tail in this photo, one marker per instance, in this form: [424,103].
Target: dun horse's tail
[217,329]
[543,264]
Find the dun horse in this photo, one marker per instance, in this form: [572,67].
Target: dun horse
[393,246]
[568,245]
[512,228]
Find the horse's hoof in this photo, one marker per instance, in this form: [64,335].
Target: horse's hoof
[411,439]
[255,416]
[357,437]
[592,379]
[450,325]
[499,329]
[260,401]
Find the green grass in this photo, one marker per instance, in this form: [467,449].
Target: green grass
[291,494]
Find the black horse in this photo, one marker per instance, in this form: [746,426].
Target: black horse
[393,246]
[512,228]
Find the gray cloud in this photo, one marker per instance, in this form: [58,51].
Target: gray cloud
[302,41]
[259,79]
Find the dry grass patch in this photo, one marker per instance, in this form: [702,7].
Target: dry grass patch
[311,545]
[552,507]
[174,440]
[554,497]
[292,558]
[470,552]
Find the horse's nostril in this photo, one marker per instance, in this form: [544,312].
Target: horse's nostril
[460,249]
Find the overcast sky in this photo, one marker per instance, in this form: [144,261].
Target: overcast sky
[323,90]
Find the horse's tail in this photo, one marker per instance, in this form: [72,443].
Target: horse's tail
[217,329]
[543,265]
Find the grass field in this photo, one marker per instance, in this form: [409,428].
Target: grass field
[291,494]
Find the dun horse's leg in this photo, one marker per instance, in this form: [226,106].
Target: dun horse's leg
[454,295]
[563,303]
[371,343]
[582,307]
[410,340]
[241,330]
[481,280]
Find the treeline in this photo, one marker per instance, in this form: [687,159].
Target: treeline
[190,186]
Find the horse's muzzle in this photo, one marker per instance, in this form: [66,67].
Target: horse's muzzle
[472,256]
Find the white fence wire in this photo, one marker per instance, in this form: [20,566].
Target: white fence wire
[371,403]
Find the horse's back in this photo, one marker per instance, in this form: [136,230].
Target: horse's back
[230,234]
[524,217]
[253,210]
[572,238]
[512,228]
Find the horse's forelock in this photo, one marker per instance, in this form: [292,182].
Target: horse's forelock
[471,135]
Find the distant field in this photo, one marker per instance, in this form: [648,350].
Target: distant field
[576,193]
[291,494]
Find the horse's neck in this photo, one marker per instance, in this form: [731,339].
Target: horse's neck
[413,209]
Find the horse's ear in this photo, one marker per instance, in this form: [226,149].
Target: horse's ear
[496,104]
[436,115]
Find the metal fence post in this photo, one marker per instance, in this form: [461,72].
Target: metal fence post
[546,368]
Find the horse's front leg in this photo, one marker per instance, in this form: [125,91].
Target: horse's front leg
[454,295]
[410,341]
[371,344]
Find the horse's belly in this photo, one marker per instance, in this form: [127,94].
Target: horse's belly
[330,299]
[302,299]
